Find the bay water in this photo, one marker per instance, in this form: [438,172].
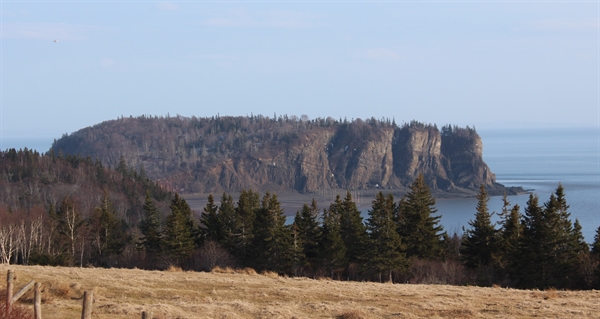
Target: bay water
[536,159]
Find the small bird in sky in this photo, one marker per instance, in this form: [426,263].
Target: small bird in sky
[55,41]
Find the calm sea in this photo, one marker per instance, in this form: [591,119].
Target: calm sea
[536,159]
[40,144]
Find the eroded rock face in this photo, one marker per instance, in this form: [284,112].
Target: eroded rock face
[279,156]
[389,159]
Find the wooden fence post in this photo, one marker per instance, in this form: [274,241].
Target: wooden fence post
[37,301]
[23,291]
[147,314]
[10,278]
[86,311]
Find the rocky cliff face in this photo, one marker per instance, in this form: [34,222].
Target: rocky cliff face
[230,154]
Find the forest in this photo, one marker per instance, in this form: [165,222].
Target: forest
[73,211]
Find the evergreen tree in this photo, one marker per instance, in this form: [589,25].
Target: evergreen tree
[594,259]
[596,244]
[332,251]
[578,244]
[297,257]
[550,245]
[309,232]
[527,269]
[353,231]
[480,247]
[211,225]
[150,227]
[179,231]
[243,234]
[418,228]
[384,253]
[227,221]
[272,240]
[511,233]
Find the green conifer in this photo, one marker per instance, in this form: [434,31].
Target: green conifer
[210,223]
[385,250]
[353,231]
[419,229]
[243,234]
[309,233]
[480,246]
[272,243]
[150,227]
[179,231]
[332,251]
[227,221]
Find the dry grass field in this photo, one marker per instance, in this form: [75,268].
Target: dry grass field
[125,293]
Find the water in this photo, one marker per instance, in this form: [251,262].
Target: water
[40,144]
[537,160]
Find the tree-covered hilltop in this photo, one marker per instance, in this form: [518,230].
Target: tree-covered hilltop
[225,153]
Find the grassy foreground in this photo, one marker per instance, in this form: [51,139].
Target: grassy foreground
[125,293]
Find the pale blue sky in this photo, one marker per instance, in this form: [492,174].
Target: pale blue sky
[482,63]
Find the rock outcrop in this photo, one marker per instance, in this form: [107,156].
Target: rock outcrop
[234,153]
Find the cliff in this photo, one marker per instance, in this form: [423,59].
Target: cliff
[286,154]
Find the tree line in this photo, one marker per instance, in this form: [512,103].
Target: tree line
[398,242]
[68,210]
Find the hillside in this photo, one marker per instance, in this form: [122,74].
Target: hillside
[121,293]
[204,155]
[57,209]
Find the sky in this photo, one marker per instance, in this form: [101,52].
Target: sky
[488,64]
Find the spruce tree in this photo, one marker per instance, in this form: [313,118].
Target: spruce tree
[179,231]
[272,243]
[529,270]
[511,233]
[353,231]
[211,226]
[578,244]
[297,257]
[150,227]
[418,228]
[243,234]
[550,245]
[596,244]
[309,232]
[332,251]
[480,242]
[385,250]
[227,220]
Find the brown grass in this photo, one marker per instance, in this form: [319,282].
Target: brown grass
[356,314]
[125,293]
[174,269]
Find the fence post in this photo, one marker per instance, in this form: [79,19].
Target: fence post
[23,291]
[86,311]
[10,277]
[37,301]
[147,314]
